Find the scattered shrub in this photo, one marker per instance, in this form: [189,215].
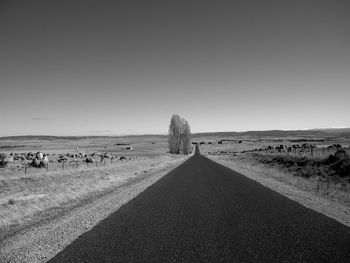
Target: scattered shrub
[334,167]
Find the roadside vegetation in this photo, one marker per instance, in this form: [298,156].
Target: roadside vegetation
[335,168]
[319,166]
[325,177]
[27,198]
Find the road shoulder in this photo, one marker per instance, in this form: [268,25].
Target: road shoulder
[42,241]
[327,207]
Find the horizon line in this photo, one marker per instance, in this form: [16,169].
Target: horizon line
[165,134]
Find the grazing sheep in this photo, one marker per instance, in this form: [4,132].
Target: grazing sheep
[11,157]
[35,163]
[30,156]
[39,155]
[44,163]
[89,160]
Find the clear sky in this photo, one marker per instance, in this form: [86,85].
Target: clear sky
[124,67]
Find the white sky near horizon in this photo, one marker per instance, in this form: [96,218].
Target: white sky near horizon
[124,67]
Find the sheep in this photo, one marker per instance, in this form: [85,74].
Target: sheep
[44,163]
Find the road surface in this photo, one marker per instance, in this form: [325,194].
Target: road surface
[205,212]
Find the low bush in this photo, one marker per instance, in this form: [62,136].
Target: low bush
[333,167]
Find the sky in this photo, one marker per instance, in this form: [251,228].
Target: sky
[124,67]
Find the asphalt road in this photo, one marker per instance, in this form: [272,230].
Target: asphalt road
[205,212]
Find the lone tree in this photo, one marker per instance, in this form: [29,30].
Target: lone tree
[179,135]
[186,137]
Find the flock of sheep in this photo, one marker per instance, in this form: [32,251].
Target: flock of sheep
[296,148]
[41,160]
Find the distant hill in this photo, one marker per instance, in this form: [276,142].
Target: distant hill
[46,137]
[323,133]
[334,130]
[73,138]
[320,133]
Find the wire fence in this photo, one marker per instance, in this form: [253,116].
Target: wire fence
[27,167]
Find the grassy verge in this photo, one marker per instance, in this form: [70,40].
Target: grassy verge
[312,175]
[333,202]
[24,197]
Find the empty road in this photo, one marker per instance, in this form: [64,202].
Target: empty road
[205,212]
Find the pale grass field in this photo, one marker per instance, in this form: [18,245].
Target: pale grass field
[245,164]
[23,197]
[328,190]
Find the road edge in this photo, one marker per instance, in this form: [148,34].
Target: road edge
[43,241]
[324,206]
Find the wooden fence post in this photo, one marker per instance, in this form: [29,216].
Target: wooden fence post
[25,169]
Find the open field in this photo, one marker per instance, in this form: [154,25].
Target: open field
[29,195]
[71,152]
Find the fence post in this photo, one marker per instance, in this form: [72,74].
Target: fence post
[312,151]
[323,151]
[25,169]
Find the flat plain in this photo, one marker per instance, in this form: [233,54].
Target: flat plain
[298,164]
[29,194]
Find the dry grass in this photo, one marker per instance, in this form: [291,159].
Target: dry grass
[24,196]
[321,180]
[328,189]
[299,189]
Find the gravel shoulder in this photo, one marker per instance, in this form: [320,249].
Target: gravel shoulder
[330,208]
[44,240]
